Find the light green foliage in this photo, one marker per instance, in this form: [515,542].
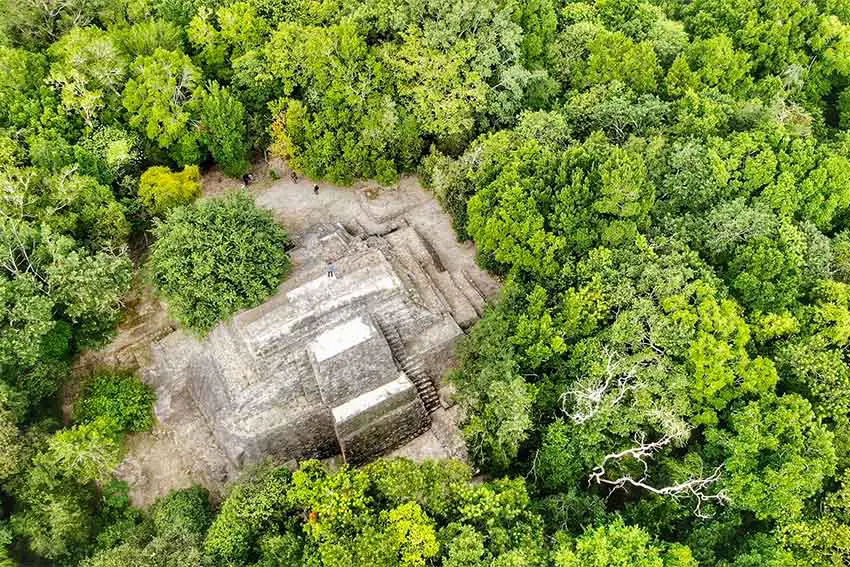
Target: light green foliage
[539,22]
[91,288]
[65,202]
[813,363]
[162,98]
[352,130]
[618,545]
[21,76]
[357,110]
[393,513]
[161,189]
[121,397]
[223,130]
[233,31]
[65,286]
[818,543]
[108,154]
[216,257]
[626,190]
[56,518]
[83,453]
[542,203]
[435,485]
[444,94]
[711,63]
[411,535]
[778,456]
[497,433]
[841,256]
[145,37]
[90,72]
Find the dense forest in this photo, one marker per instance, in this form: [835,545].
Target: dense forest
[664,187]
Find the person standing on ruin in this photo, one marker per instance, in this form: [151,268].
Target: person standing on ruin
[316,189]
[331,269]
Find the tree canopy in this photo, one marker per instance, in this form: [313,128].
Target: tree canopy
[662,187]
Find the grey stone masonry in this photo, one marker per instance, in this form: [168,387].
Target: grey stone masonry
[348,365]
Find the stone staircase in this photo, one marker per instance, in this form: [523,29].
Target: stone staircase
[412,367]
[461,308]
[442,291]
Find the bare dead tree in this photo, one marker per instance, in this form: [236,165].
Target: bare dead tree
[696,489]
[592,393]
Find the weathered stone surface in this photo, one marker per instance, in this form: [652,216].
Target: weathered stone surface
[328,365]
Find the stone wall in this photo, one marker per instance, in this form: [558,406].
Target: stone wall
[377,421]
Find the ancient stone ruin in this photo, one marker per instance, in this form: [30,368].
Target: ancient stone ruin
[346,365]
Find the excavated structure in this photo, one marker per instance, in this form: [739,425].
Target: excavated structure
[346,365]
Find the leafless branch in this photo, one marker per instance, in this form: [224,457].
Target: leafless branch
[696,489]
[592,393]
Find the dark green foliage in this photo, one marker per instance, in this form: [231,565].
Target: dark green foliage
[251,509]
[185,513]
[171,537]
[216,257]
[119,396]
[223,127]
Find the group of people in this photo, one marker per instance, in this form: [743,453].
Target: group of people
[248,178]
[294,177]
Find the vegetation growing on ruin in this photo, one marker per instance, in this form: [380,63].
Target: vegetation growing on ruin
[663,185]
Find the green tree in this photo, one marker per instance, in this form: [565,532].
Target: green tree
[83,453]
[234,30]
[618,545]
[21,86]
[90,288]
[184,513]
[90,72]
[251,508]
[223,130]
[143,38]
[121,397]
[216,257]
[161,189]
[778,456]
[162,98]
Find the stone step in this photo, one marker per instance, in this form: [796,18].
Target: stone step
[461,309]
[469,291]
[407,318]
[417,376]
[410,267]
[412,367]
